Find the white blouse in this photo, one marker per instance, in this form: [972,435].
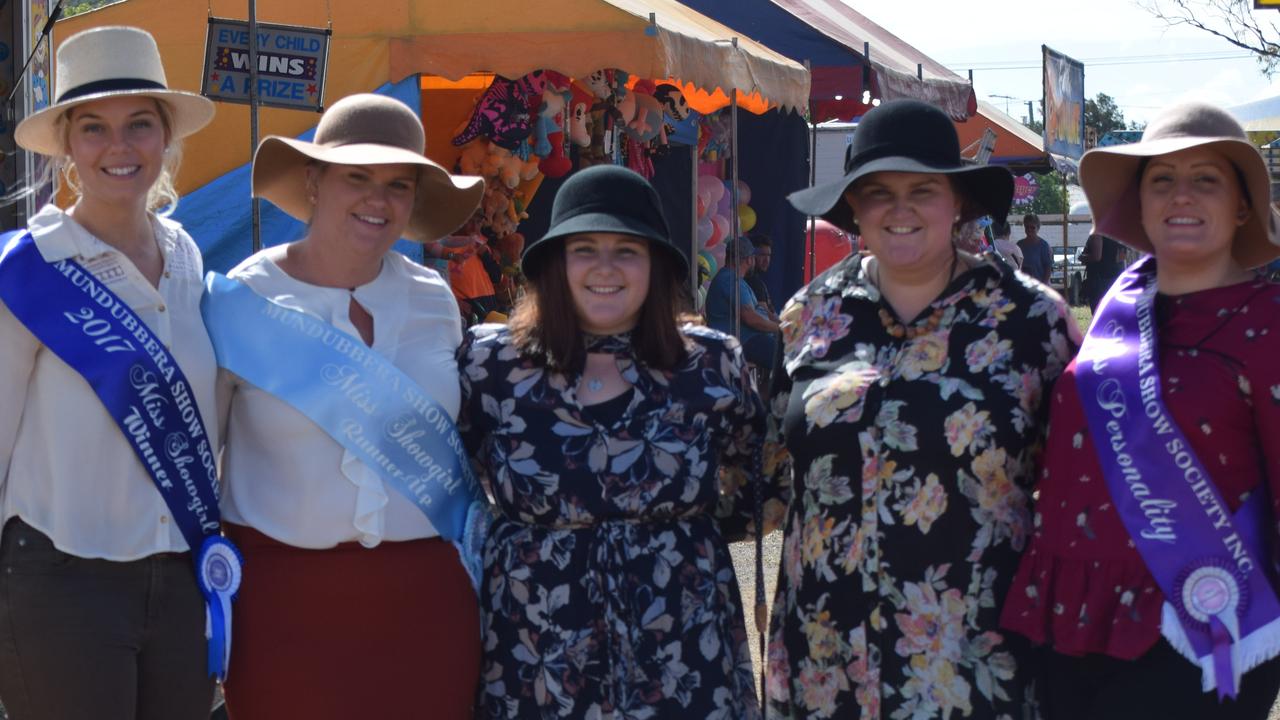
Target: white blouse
[285,476]
[65,467]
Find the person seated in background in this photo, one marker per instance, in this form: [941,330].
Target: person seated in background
[755,278]
[757,332]
[1005,246]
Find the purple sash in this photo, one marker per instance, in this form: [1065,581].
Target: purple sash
[1220,610]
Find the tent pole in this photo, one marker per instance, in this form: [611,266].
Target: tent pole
[812,244]
[253,113]
[732,250]
[693,231]
[1066,250]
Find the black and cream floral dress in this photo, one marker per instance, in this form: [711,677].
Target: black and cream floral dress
[910,452]
[608,590]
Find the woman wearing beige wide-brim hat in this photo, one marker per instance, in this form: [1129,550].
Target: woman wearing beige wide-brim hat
[1145,575]
[357,606]
[100,613]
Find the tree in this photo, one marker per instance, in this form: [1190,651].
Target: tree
[1102,114]
[1231,20]
[1048,197]
[75,7]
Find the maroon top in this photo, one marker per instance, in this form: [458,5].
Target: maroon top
[1082,586]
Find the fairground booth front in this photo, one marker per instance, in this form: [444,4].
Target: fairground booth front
[522,93]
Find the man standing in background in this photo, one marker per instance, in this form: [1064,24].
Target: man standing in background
[1037,257]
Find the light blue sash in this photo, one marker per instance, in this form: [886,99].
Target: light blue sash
[366,404]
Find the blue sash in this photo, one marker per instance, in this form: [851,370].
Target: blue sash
[94,332]
[1221,610]
[366,404]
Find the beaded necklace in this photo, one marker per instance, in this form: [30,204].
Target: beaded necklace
[897,329]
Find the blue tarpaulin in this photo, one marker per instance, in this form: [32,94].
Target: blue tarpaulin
[219,215]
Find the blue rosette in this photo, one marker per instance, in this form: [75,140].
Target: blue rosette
[219,571]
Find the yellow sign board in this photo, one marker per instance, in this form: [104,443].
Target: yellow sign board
[1264,4]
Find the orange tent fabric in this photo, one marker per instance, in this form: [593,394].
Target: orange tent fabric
[454,39]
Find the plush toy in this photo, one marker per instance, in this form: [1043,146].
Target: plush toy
[646,125]
[597,83]
[713,138]
[679,120]
[579,115]
[502,112]
[550,111]
[472,159]
[552,123]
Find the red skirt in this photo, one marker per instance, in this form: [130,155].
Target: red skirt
[352,632]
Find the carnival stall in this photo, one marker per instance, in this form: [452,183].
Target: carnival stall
[504,89]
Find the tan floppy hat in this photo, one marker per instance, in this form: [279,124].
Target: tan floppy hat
[1110,179]
[367,129]
[105,62]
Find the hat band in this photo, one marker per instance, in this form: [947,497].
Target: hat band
[887,150]
[109,85]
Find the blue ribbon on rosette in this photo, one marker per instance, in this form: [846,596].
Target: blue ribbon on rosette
[1221,610]
[145,392]
[360,399]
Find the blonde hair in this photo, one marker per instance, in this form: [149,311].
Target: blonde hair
[162,198]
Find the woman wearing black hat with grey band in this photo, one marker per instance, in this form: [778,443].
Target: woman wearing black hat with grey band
[599,424]
[906,415]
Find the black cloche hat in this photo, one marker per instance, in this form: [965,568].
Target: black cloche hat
[908,136]
[609,199]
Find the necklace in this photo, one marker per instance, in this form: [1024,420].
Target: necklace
[897,329]
[595,384]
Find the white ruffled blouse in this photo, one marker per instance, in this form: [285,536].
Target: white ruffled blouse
[286,477]
[65,467]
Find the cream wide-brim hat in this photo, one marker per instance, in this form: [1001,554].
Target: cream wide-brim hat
[367,129]
[106,62]
[1110,179]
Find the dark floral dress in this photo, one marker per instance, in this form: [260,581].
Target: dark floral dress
[608,589]
[911,452]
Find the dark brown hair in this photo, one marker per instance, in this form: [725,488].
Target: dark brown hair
[544,324]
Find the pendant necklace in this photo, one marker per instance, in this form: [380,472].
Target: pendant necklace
[595,384]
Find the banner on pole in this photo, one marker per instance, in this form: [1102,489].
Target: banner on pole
[1063,104]
[292,62]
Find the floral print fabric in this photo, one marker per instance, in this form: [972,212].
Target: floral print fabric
[910,460]
[608,589]
[1082,585]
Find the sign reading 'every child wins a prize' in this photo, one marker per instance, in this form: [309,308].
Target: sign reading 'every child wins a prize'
[292,62]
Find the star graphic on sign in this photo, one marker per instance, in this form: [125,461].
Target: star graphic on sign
[311,89]
[214,77]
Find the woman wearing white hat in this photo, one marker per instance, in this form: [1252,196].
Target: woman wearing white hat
[107,473]
[342,484]
[1150,572]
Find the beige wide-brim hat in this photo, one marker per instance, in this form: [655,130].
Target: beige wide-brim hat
[107,62]
[367,129]
[1110,179]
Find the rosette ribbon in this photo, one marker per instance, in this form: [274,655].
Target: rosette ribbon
[220,570]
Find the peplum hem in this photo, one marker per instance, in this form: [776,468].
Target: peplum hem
[1081,605]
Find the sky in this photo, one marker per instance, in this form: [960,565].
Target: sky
[980,33]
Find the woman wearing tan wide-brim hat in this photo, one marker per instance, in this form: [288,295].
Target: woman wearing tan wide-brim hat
[358,607]
[100,612]
[1162,462]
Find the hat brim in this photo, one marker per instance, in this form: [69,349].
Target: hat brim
[444,201]
[988,188]
[601,222]
[1110,179]
[38,132]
